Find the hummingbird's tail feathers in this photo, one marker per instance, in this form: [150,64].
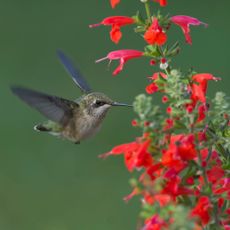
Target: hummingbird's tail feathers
[42,128]
[50,127]
[54,108]
[74,72]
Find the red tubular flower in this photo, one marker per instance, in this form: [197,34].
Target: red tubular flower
[181,149]
[214,174]
[155,223]
[140,157]
[174,188]
[123,55]
[151,88]
[116,22]
[199,87]
[223,186]
[155,35]
[202,136]
[135,153]
[114,3]
[156,76]
[121,149]
[148,198]
[186,146]
[162,2]
[168,124]
[202,109]
[184,22]
[162,199]
[154,170]
[154,86]
[202,209]
[131,195]
[171,160]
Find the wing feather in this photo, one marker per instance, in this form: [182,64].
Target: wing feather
[75,74]
[54,108]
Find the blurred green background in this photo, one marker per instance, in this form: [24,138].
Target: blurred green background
[50,184]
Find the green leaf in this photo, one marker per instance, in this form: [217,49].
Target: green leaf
[139,29]
[153,51]
[138,18]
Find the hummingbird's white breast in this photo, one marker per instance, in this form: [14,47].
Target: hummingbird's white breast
[90,123]
[85,125]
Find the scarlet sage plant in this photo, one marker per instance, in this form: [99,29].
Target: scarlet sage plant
[182,156]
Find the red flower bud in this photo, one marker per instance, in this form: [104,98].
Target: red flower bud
[134,123]
[147,123]
[169,124]
[189,108]
[163,60]
[202,208]
[152,62]
[165,99]
[169,110]
[190,180]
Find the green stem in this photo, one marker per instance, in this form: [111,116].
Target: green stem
[207,184]
[203,169]
[147,9]
[167,70]
[215,213]
[209,154]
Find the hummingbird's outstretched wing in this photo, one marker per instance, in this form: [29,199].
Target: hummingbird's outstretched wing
[75,74]
[54,108]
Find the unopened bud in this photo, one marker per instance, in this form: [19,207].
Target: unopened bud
[152,62]
[134,123]
[165,99]
[169,110]
[163,60]
[164,65]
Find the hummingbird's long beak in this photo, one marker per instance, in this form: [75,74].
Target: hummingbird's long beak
[120,104]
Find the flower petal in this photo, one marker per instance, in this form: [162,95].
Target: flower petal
[115,34]
[184,22]
[114,3]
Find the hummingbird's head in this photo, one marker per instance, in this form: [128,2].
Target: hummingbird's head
[98,104]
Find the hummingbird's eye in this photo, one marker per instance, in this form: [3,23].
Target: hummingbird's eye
[99,103]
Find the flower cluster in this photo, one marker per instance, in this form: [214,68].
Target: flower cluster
[183,154]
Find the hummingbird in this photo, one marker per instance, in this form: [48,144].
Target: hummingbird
[72,120]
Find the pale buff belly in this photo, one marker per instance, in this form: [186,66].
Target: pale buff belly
[81,129]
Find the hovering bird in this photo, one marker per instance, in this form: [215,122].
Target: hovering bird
[73,120]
